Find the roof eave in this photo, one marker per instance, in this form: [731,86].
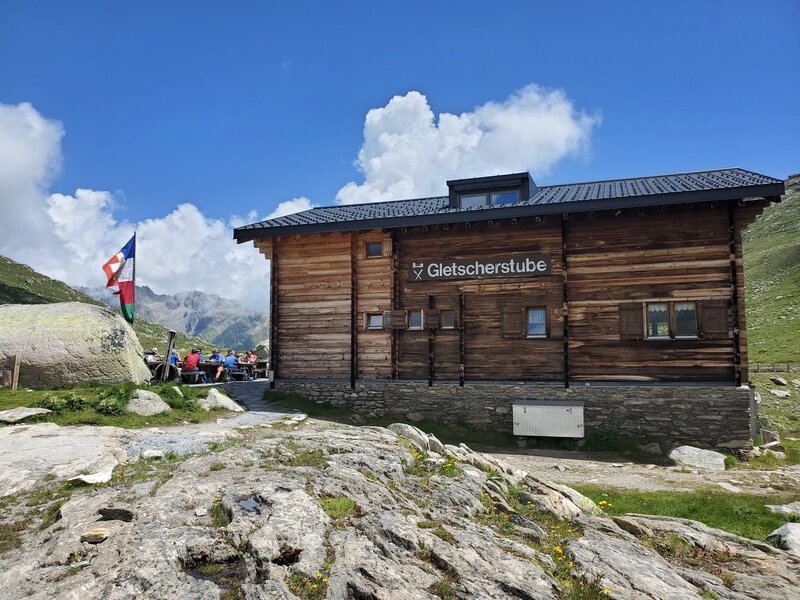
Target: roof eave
[772,190]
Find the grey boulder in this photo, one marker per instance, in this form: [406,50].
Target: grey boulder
[786,537]
[697,457]
[215,399]
[70,343]
[147,404]
[15,415]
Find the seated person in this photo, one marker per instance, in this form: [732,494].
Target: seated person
[155,355]
[202,356]
[249,357]
[174,357]
[231,363]
[215,357]
[190,364]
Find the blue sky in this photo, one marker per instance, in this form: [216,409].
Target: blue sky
[235,107]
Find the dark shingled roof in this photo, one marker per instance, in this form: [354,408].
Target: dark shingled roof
[679,188]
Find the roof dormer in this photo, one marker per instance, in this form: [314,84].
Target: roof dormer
[497,190]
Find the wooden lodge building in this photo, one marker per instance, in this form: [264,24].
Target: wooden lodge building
[615,305]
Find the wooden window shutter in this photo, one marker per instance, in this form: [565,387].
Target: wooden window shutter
[512,323]
[631,321]
[397,319]
[387,247]
[430,318]
[712,320]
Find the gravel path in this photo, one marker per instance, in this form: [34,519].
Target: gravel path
[573,468]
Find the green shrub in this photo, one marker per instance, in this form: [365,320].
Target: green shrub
[110,404]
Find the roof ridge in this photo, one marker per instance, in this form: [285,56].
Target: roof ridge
[654,176]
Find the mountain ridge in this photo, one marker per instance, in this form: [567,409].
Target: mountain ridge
[223,321]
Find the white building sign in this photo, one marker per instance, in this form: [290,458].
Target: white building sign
[521,265]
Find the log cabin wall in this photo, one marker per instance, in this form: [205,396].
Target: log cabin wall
[640,256]
[373,297]
[615,259]
[488,354]
[313,289]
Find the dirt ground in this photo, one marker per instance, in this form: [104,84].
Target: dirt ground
[603,468]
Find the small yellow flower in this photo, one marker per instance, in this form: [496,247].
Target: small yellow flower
[315,586]
[317,575]
[570,564]
[324,580]
[558,549]
[606,591]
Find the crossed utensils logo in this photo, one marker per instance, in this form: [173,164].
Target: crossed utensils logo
[417,268]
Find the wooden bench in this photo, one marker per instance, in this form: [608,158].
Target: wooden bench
[192,376]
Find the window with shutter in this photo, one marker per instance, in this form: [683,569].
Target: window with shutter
[513,322]
[712,317]
[398,320]
[431,318]
[394,319]
[631,321]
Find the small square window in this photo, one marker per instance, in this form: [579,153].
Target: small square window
[374,249]
[658,320]
[415,319]
[685,319]
[448,319]
[473,200]
[507,197]
[375,321]
[536,322]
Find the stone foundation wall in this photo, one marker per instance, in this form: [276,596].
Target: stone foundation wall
[708,416]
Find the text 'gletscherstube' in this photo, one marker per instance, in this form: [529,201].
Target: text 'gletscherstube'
[524,265]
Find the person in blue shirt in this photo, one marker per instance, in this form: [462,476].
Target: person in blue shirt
[174,357]
[215,357]
[231,361]
[202,356]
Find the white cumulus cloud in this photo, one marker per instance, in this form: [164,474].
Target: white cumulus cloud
[408,151]
[69,237]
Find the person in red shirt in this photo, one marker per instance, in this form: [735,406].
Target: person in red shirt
[190,362]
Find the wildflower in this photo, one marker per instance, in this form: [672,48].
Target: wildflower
[315,586]
[606,591]
[317,575]
[558,549]
[570,564]
[324,580]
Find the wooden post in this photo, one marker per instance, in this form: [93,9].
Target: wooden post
[430,346]
[395,304]
[273,315]
[353,311]
[461,340]
[737,356]
[14,372]
[564,298]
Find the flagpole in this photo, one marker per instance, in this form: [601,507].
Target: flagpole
[135,260]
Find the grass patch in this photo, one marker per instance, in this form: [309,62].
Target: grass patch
[11,535]
[308,587]
[450,469]
[742,514]
[307,458]
[444,589]
[339,507]
[99,404]
[219,516]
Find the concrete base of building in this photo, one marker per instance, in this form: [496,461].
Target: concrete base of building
[704,416]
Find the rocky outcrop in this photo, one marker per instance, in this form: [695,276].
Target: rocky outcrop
[69,343]
[347,512]
[697,457]
[146,403]
[217,400]
[15,415]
